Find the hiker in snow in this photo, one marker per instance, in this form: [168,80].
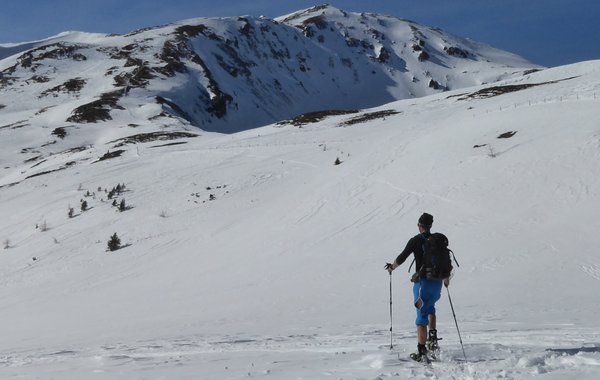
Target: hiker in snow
[426,289]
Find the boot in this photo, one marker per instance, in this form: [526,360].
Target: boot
[420,355]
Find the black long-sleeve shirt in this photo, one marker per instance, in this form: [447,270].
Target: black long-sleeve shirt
[414,246]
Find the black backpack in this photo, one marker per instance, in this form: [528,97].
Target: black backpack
[437,263]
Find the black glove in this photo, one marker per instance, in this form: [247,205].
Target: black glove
[388,266]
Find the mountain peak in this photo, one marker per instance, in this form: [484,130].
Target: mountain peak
[323,9]
[237,73]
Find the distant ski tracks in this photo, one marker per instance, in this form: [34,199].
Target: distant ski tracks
[419,195]
[593,270]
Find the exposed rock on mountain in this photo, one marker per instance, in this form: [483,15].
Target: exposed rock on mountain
[237,73]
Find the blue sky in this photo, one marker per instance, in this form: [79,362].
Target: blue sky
[547,32]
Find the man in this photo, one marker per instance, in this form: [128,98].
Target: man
[426,291]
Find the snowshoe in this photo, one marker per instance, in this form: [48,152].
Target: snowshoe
[432,344]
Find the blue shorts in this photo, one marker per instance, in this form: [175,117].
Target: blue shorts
[426,294]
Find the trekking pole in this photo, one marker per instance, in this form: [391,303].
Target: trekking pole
[456,323]
[391,319]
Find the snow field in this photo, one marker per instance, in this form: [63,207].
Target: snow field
[280,273]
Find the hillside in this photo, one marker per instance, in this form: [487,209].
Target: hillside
[252,254]
[234,74]
[65,98]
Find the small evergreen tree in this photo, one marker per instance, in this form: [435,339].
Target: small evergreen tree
[337,161]
[122,205]
[114,242]
[84,206]
[71,211]
[114,202]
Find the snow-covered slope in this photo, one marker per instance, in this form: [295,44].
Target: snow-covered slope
[252,254]
[238,73]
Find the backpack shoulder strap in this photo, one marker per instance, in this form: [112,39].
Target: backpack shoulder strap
[423,240]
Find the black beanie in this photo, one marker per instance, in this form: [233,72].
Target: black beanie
[426,220]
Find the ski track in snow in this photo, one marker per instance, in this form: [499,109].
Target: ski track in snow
[313,210]
[492,354]
[419,195]
[593,270]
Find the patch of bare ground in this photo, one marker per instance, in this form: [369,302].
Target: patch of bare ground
[369,116]
[65,166]
[169,144]
[38,163]
[6,80]
[15,125]
[152,136]
[108,155]
[42,110]
[314,117]
[71,86]
[74,150]
[507,135]
[32,159]
[57,51]
[38,79]
[59,132]
[505,89]
[98,110]
[9,185]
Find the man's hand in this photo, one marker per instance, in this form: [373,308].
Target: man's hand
[389,267]
[446,282]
